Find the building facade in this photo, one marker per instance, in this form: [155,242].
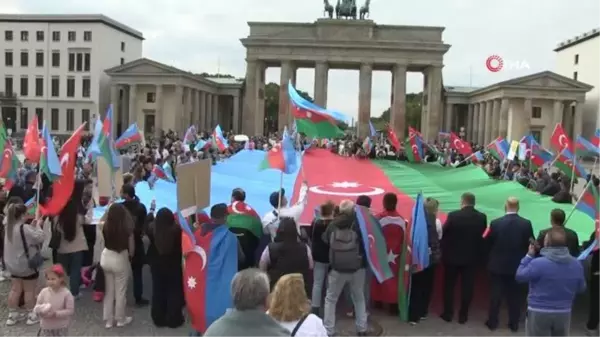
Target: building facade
[160,97]
[579,59]
[517,107]
[53,66]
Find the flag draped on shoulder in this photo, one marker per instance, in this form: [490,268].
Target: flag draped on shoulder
[242,216]
[420,236]
[393,227]
[208,271]
[374,244]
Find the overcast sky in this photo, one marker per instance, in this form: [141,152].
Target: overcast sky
[203,35]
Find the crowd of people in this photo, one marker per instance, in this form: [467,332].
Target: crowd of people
[291,284]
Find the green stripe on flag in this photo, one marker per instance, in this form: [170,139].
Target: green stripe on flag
[318,130]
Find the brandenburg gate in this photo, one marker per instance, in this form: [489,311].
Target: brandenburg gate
[344,44]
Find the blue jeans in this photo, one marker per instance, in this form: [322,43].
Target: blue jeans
[335,284]
[72,263]
[319,274]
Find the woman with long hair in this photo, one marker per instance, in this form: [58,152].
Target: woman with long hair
[287,254]
[164,256]
[119,247]
[73,243]
[290,307]
[21,241]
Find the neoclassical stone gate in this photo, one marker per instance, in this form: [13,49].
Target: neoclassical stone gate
[344,44]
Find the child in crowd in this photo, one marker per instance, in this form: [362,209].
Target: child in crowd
[55,304]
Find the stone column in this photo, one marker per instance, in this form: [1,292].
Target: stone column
[488,123]
[216,113]
[398,110]
[495,119]
[321,80]
[209,112]
[364,99]
[470,120]
[288,73]
[558,113]
[424,107]
[449,116]
[158,111]
[503,127]
[133,113]
[526,125]
[198,111]
[434,104]
[250,98]
[260,103]
[481,127]
[475,133]
[117,109]
[179,111]
[578,119]
[236,113]
[187,113]
[568,119]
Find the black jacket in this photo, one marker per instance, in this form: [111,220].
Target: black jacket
[509,242]
[319,248]
[140,220]
[572,240]
[462,241]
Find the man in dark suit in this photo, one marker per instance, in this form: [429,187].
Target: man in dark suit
[557,219]
[508,240]
[462,248]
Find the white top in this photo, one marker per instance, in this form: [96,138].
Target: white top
[438,228]
[311,327]
[270,221]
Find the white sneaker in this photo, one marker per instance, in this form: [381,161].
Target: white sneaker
[124,322]
[14,318]
[108,325]
[2,278]
[32,319]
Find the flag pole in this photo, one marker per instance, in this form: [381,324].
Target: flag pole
[556,158]
[37,195]
[573,173]
[280,196]
[585,187]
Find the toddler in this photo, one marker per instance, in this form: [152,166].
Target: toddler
[55,304]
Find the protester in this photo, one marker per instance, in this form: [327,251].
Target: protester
[554,281]
[320,253]
[594,285]
[55,304]
[281,209]
[250,292]
[164,256]
[117,231]
[245,229]
[287,254]
[21,242]
[462,252]
[557,220]
[509,239]
[218,216]
[290,307]
[89,229]
[346,258]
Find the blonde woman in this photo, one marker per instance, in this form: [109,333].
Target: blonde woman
[432,207]
[290,307]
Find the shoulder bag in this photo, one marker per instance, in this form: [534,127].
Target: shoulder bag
[34,261]
[298,325]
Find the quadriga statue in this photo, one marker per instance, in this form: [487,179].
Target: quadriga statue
[346,9]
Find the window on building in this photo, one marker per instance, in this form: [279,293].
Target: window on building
[537,135]
[575,75]
[39,36]
[71,36]
[8,58]
[54,119]
[24,86]
[55,86]
[70,119]
[85,87]
[122,46]
[79,62]
[87,35]
[24,118]
[8,35]
[70,87]
[85,117]
[24,35]
[39,59]
[71,61]
[56,59]
[24,59]
[576,59]
[8,85]
[536,112]
[122,61]
[56,36]
[87,59]
[150,97]
[39,86]
[39,112]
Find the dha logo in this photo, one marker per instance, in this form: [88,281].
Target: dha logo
[496,63]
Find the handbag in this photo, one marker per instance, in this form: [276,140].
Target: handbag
[55,236]
[36,261]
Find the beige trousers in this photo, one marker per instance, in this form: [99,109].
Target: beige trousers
[116,272]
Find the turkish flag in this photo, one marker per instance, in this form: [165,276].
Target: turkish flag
[460,145]
[560,141]
[62,188]
[393,227]
[393,138]
[31,142]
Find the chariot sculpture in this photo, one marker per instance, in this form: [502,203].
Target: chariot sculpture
[346,9]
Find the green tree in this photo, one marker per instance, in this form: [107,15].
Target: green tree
[272,105]
[413,113]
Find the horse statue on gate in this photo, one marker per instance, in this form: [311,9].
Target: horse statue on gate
[346,9]
[328,10]
[364,10]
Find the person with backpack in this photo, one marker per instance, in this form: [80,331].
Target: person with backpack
[348,266]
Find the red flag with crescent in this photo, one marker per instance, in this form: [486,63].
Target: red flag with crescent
[393,138]
[62,188]
[460,145]
[560,141]
[393,227]
[31,143]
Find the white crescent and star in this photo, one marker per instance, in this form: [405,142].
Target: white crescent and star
[391,257]
[64,159]
[563,141]
[308,114]
[368,190]
[237,211]
[458,144]
[42,149]
[371,240]
[191,282]
[415,149]
[200,251]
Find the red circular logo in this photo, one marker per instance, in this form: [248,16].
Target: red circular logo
[494,63]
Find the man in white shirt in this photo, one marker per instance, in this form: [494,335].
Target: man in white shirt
[270,221]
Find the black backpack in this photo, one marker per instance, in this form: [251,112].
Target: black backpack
[344,250]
